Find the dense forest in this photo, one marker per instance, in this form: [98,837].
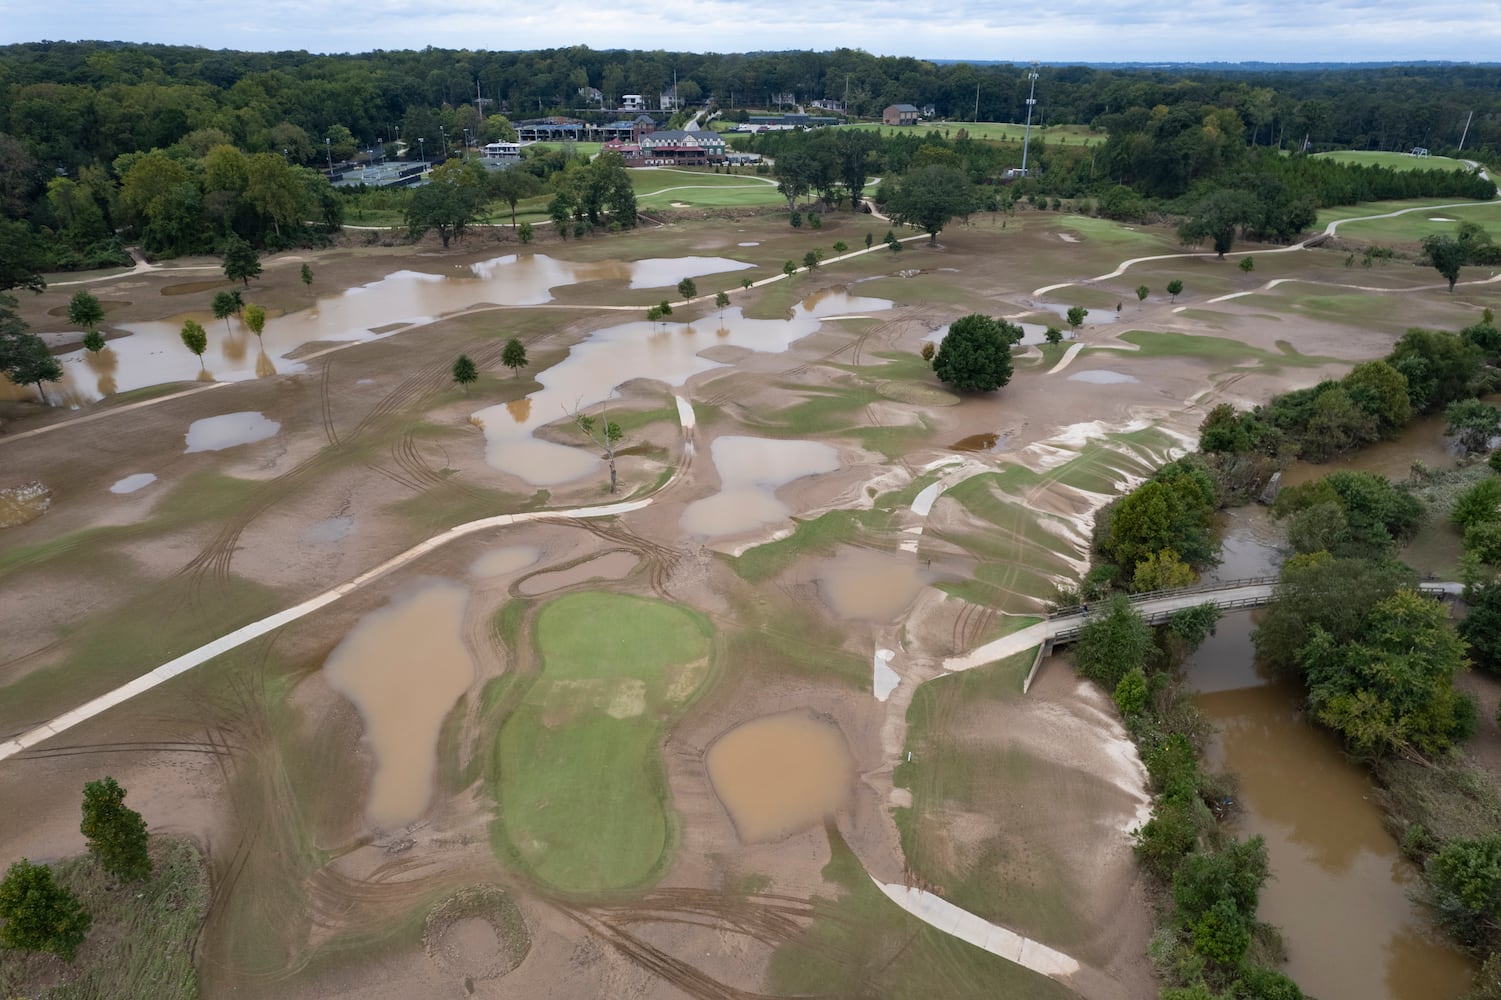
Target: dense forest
[179,148]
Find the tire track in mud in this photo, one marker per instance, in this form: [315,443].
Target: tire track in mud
[212,563]
[661,560]
[325,402]
[727,394]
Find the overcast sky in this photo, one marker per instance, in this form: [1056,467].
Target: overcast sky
[1082,30]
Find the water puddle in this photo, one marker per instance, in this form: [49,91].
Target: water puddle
[229,430]
[666,352]
[330,529]
[1032,334]
[130,484]
[154,353]
[752,243]
[1339,886]
[781,774]
[750,470]
[506,560]
[979,442]
[1102,376]
[610,566]
[404,666]
[872,586]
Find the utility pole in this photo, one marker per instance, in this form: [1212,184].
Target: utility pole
[329,148]
[1031,100]
[977,103]
[1466,132]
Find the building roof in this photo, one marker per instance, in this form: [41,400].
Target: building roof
[903,107]
[678,135]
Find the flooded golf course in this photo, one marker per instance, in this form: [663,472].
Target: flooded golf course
[414,644]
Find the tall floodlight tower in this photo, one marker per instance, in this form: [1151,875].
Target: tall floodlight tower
[1031,100]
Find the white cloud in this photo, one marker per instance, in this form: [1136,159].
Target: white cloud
[1083,30]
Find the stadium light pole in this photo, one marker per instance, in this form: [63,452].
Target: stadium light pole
[1031,100]
[422,149]
[328,146]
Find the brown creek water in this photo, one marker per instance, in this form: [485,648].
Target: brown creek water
[750,470]
[666,352]
[1420,441]
[781,774]
[404,666]
[153,353]
[1339,886]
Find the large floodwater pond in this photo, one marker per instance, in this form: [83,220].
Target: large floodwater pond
[781,774]
[750,470]
[154,353]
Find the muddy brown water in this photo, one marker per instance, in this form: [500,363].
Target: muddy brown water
[499,562]
[1420,441]
[781,774]
[665,352]
[153,352]
[750,470]
[1339,886]
[404,666]
[872,586]
[977,442]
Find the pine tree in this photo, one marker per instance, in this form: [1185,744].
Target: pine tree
[464,371]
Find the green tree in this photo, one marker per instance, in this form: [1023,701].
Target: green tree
[195,339]
[1161,570]
[1439,366]
[1481,628]
[255,319]
[524,232]
[450,202]
[1380,391]
[789,268]
[810,260]
[116,834]
[85,310]
[225,305]
[1447,255]
[975,355]
[1131,692]
[1477,504]
[1472,424]
[1392,689]
[513,186]
[39,914]
[1216,218]
[513,356]
[605,433]
[1075,317]
[24,357]
[687,289]
[1464,887]
[307,276]
[465,373]
[840,246]
[1113,643]
[1053,335]
[1247,265]
[854,153]
[1142,291]
[241,262]
[929,197]
[1175,288]
[93,341]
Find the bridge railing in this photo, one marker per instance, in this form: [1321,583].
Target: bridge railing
[1202,588]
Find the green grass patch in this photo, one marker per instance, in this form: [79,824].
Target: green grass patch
[141,942]
[1393,161]
[1219,349]
[822,534]
[583,800]
[1413,226]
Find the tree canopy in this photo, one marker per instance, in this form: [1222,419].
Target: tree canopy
[975,355]
[929,197]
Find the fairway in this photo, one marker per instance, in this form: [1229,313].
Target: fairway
[667,188]
[1393,161]
[1413,226]
[581,792]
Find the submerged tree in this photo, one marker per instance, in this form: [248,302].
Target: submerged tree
[1175,288]
[85,311]
[255,318]
[195,339]
[225,306]
[604,433]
